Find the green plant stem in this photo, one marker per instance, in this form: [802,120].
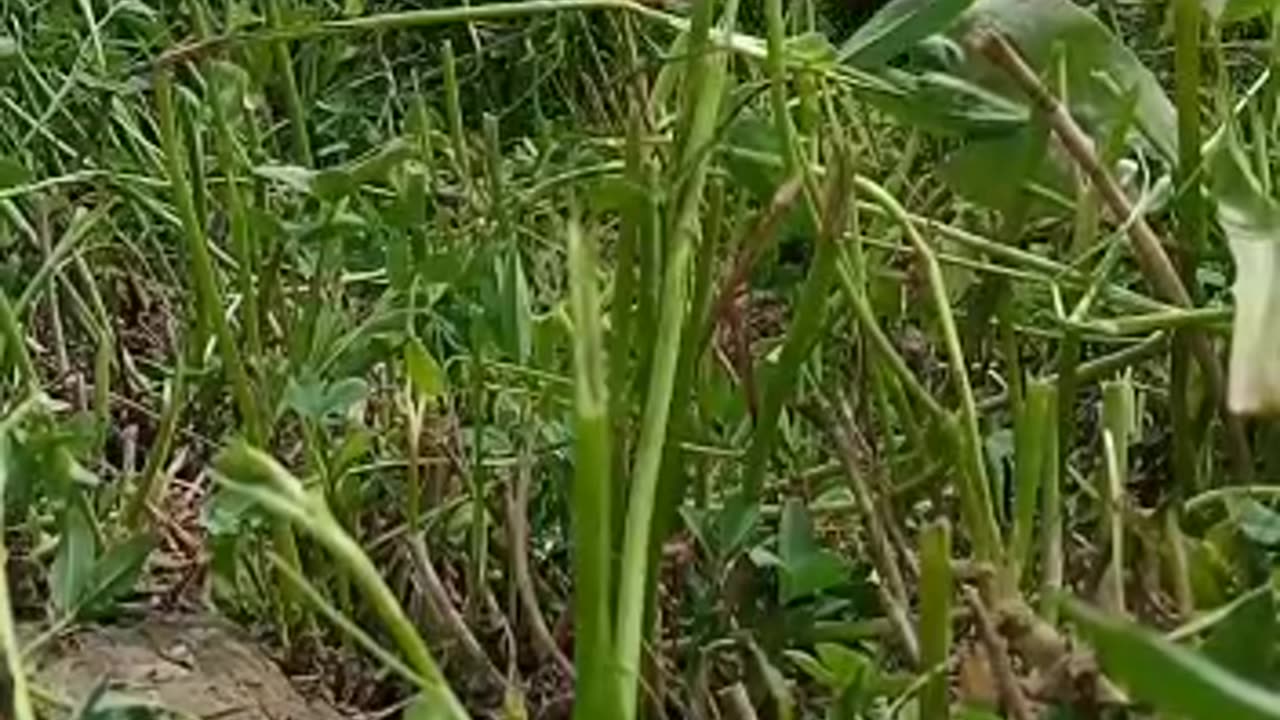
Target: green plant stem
[207,290]
[935,618]
[345,623]
[162,445]
[975,488]
[202,270]
[884,347]
[1147,247]
[289,81]
[241,229]
[257,476]
[594,695]
[623,309]
[801,335]
[1030,455]
[1192,231]
[14,345]
[1117,411]
[453,108]
[706,81]
[19,692]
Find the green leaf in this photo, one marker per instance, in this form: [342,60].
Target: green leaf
[1168,676]
[989,171]
[1250,218]
[946,103]
[1258,522]
[425,374]
[807,569]
[1244,642]
[847,666]
[73,566]
[897,27]
[12,173]
[317,400]
[1101,70]
[114,575]
[735,523]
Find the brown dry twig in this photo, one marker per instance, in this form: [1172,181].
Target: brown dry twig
[1154,262]
[1007,684]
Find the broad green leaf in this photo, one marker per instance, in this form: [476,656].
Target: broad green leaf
[1102,71]
[946,103]
[73,566]
[735,523]
[114,575]
[346,394]
[425,374]
[847,666]
[898,26]
[1250,219]
[12,173]
[1258,522]
[807,569]
[1168,676]
[989,171]
[1244,642]
[317,400]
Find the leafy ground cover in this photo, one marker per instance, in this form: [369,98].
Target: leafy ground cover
[607,359]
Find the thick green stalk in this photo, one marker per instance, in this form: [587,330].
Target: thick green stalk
[453,108]
[18,689]
[935,619]
[653,431]
[1051,552]
[594,695]
[775,64]
[1117,414]
[1192,229]
[623,308]
[1030,456]
[292,98]
[18,695]
[477,563]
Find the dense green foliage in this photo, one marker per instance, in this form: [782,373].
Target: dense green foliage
[617,359]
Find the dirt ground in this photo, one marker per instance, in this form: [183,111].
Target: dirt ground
[196,667]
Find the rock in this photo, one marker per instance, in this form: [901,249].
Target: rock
[199,667]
